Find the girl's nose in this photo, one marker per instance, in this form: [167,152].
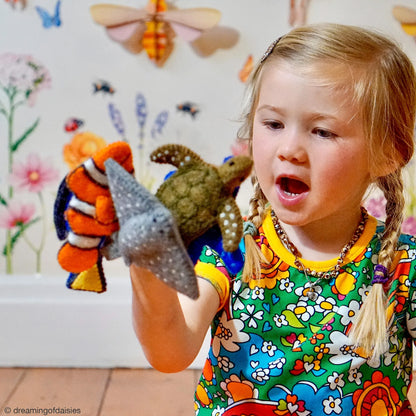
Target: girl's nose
[292,147]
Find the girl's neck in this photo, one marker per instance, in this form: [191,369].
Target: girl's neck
[320,241]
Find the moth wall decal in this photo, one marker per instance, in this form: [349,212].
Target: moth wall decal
[153,28]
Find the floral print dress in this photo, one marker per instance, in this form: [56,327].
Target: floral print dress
[276,352]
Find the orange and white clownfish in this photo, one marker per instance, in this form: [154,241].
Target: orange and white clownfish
[85,217]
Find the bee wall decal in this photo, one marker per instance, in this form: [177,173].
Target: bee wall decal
[189,108]
[154,27]
[104,87]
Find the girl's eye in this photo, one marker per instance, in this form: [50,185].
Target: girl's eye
[324,134]
[273,124]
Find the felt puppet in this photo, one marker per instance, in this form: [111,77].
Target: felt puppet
[201,195]
[156,230]
[85,218]
[154,27]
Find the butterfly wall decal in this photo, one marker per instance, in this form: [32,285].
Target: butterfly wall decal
[48,19]
[153,28]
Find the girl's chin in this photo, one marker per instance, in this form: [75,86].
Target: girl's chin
[290,217]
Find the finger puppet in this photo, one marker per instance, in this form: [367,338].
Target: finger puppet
[85,218]
[152,231]
[201,195]
[154,27]
[156,230]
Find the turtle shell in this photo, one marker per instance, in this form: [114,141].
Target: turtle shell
[193,194]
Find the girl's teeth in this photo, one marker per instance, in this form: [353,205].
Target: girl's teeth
[290,193]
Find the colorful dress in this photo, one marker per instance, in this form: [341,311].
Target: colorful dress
[276,352]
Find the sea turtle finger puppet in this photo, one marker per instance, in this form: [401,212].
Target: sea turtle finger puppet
[85,217]
[155,230]
[201,195]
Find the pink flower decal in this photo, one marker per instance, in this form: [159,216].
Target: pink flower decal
[377,207]
[16,214]
[23,73]
[409,226]
[33,174]
[240,147]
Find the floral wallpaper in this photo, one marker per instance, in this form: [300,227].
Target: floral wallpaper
[22,78]
[67,89]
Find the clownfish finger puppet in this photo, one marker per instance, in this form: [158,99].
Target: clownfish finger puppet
[85,217]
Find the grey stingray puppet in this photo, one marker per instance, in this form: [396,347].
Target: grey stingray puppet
[155,230]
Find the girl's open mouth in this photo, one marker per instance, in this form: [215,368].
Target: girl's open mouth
[292,187]
[291,191]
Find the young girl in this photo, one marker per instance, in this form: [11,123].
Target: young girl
[322,318]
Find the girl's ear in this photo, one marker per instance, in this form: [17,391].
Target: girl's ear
[384,168]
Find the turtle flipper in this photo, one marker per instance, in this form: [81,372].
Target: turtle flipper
[175,154]
[229,220]
[148,235]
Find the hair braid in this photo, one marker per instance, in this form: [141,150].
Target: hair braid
[254,257]
[371,334]
[393,189]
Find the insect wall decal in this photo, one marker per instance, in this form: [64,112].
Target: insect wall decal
[104,87]
[13,3]
[247,68]
[406,16]
[50,19]
[73,124]
[154,27]
[188,107]
[298,12]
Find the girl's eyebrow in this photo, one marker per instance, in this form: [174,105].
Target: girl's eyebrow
[311,116]
[269,107]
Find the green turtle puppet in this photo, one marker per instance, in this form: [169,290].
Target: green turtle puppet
[155,230]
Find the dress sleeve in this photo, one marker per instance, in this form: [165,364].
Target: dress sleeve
[407,279]
[211,267]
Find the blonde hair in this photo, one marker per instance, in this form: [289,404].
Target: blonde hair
[380,81]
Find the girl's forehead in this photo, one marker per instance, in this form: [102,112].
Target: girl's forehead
[338,78]
[282,83]
[334,74]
